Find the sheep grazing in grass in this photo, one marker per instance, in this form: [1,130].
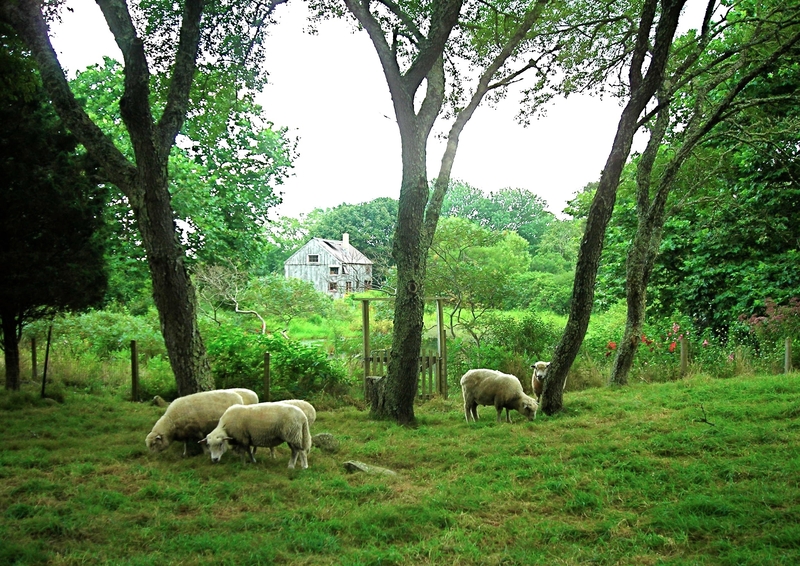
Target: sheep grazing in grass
[538,377]
[491,387]
[306,407]
[264,424]
[190,418]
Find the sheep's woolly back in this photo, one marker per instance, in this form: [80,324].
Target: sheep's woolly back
[492,387]
[487,385]
[191,417]
[249,397]
[266,424]
[306,407]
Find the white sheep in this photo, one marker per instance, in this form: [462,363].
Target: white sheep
[190,418]
[249,397]
[264,424]
[306,407]
[538,377]
[491,387]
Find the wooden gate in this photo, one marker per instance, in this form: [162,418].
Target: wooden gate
[430,372]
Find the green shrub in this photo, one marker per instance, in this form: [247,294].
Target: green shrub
[296,370]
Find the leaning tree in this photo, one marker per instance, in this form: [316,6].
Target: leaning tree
[709,84]
[646,60]
[440,59]
[165,46]
[51,241]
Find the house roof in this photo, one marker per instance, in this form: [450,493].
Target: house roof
[344,253]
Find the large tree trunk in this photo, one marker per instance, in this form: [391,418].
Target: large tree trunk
[145,184]
[642,90]
[10,349]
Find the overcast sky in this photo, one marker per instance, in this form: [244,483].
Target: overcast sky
[329,90]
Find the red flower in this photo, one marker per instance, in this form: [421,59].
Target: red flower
[612,346]
[672,347]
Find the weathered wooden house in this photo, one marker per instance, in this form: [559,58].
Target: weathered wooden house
[334,267]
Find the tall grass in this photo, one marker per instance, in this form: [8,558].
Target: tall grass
[697,471]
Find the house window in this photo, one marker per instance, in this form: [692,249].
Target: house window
[334,271]
[332,286]
[349,286]
[313,258]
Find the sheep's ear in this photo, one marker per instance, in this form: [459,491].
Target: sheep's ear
[158,438]
[228,438]
[204,441]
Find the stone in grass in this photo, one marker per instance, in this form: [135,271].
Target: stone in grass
[355,466]
[325,441]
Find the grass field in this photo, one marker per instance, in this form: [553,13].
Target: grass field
[699,471]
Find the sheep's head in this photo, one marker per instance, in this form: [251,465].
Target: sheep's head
[217,442]
[529,408]
[156,442]
[540,370]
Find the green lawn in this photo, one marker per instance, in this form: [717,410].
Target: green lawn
[621,476]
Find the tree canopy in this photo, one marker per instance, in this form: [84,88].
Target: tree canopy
[51,241]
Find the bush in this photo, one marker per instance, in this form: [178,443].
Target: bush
[511,344]
[296,370]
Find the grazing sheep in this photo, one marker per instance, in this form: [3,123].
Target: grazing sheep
[490,387]
[190,418]
[264,424]
[306,407]
[249,397]
[538,377]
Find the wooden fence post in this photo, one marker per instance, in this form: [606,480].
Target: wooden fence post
[787,356]
[684,355]
[442,347]
[34,372]
[47,357]
[134,372]
[365,330]
[267,377]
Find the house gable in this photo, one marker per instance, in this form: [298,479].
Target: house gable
[334,267]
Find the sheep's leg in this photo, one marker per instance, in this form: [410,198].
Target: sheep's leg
[251,453]
[303,459]
[293,459]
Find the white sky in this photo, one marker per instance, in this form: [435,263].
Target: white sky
[329,90]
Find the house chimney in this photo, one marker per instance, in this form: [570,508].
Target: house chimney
[345,239]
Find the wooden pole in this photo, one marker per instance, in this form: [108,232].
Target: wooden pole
[46,357]
[787,357]
[442,347]
[267,377]
[134,372]
[34,372]
[365,326]
[684,355]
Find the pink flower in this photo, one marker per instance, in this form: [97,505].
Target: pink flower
[705,342]
[675,327]
[612,346]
